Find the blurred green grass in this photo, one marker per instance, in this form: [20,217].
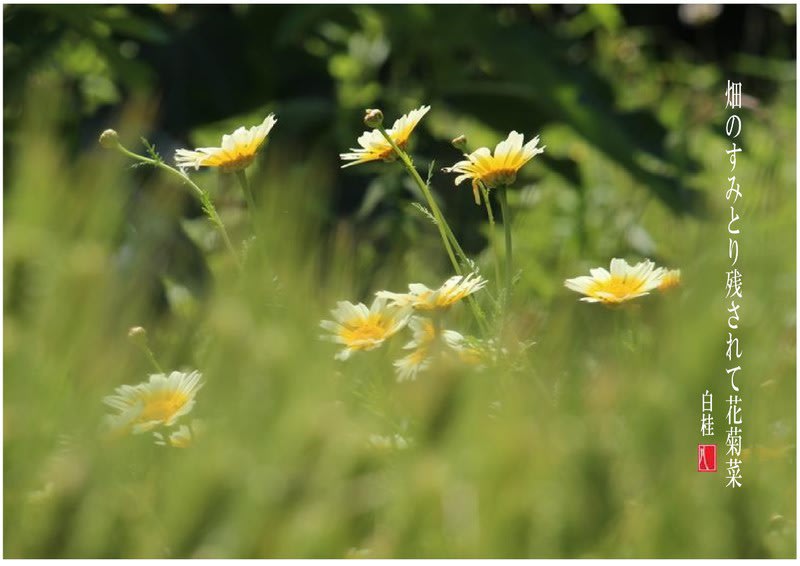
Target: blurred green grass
[575,446]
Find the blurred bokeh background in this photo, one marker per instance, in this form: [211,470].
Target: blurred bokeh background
[581,442]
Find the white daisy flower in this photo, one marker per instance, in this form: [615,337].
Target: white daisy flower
[496,170]
[362,328]
[622,283]
[671,279]
[423,298]
[237,150]
[410,365]
[181,438]
[423,332]
[424,336]
[159,401]
[374,146]
[428,342]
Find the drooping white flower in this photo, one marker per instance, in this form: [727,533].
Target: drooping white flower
[496,170]
[374,146]
[423,298]
[419,359]
[236,152]
[431,342]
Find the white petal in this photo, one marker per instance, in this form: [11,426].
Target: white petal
[579,284]
[619,267]
[600,274]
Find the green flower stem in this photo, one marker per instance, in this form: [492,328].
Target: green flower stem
[444,229]
[248,195]
[202,196]
[620,332]
[492,234]
[507,229]
[473,303]
[150,356]
[428,196]
[459,251]
[251,205]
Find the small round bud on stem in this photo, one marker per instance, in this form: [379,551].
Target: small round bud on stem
[137,334]
[373,118]
[460,143]
[109,139]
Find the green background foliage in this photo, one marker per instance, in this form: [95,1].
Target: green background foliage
[580,442]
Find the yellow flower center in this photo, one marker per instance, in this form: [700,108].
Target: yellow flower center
[162,406]
[499,177]
[616,289]
[446,300]
[422,302]
[418,356]
[387,153]
[363,333]
[441,301]
[230,163]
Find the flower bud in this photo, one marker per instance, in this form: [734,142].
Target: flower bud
[138,334]
[109,139]
[460,143]
[373,118]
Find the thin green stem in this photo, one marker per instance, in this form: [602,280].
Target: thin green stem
[138,336]
[507,229]
[440,223]
[448,238]
[492,234]
[248,195]
[251,206]
[200,194]
[620,345]
[459,250]
[150,356]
